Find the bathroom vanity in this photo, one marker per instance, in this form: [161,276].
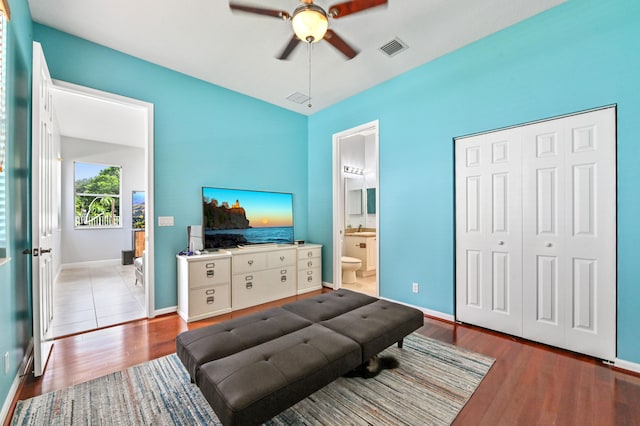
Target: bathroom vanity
[362,245]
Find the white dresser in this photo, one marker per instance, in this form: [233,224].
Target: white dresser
[204,286]
[225,281]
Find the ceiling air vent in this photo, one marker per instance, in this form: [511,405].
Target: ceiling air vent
[298,98]
[394,47]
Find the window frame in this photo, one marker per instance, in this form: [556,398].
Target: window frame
[78,223]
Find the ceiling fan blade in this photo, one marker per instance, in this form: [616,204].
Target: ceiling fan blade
[354,6]
[260,11]
[337,42]
[289,48]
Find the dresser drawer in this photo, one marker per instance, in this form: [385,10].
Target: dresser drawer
[249,262]
[309,278]
[313,262]
[306,253]
[209,272]
[248,289]
[208,300]
[276,259]
[281,282]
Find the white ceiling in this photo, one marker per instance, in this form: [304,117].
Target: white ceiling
[203,39]
[94,117]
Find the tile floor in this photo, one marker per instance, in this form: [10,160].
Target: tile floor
[366,285]
[95,296]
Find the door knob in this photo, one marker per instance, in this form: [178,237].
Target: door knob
[548,244]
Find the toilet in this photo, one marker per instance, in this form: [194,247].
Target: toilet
[349,267]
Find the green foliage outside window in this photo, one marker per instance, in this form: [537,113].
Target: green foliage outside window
[97,199]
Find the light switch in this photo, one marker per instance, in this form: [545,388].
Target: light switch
[165,220]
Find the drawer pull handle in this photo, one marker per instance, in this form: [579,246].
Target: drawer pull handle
[362,245]
[210,273]
[248,278]
[282,258]
[250,262]
[309,254]
[210,265]
[283,278]
[309,278]
[309,272]
[210,300]
[212,291]
[249,286]
[310,263]
[283,271]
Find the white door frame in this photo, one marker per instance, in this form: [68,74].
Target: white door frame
[372,127]
[148,110]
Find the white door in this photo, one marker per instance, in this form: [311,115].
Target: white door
[43,210]
[488,231]
[561,289]
[569,254]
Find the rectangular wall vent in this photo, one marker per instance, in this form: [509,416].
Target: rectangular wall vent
[298,98]
[393,47]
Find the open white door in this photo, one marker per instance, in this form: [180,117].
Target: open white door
[43,210]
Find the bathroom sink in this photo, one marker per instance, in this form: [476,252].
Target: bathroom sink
[363,234]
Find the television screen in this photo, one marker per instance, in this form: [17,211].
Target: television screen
[233,217]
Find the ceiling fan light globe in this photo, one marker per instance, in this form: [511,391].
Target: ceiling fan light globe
[310,23]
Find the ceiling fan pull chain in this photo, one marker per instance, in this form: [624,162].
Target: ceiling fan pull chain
[309,54]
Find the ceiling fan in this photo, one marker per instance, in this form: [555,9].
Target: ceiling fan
[310,22]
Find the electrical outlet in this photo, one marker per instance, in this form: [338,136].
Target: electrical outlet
[415,287]
[6,363]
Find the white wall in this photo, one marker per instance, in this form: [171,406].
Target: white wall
[84,245]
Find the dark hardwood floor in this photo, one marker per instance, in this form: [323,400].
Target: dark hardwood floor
[529,384]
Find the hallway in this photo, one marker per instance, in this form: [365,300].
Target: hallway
[96,296]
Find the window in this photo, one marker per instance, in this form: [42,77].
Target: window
[3,130]
[97,195]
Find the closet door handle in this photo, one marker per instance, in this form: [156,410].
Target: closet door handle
[548,244]
[500,243]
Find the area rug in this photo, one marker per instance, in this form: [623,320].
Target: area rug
[430,387]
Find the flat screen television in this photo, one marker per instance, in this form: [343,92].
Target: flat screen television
[236,217]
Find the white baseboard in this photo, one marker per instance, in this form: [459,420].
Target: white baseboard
[435,314]
[91,263]
[164,311]
[9,400]
[16,383]
[627,365]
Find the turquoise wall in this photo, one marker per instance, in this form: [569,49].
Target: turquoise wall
[205,135]
[580,55]
[15,302]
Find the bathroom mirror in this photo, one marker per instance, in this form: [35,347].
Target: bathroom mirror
[354,201]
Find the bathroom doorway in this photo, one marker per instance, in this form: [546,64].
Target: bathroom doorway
[356,242]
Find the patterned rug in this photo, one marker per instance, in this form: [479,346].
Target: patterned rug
[430,387]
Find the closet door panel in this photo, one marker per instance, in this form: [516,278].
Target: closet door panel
[591,241]
[543,271]
[488,232]
[569,193]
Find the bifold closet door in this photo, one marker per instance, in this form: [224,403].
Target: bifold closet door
[488,231]
[536,232]
[569,233]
